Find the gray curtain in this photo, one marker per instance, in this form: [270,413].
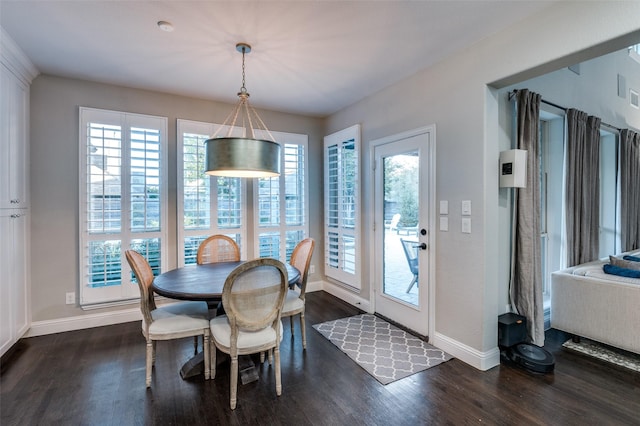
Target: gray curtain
[582,191]
[526,280]
[630,189]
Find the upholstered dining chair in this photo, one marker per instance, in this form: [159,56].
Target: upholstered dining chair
[218,248]
[252,297]
[175,321]
[294,302]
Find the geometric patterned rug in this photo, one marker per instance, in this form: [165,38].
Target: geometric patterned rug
[597,350]
[383,350]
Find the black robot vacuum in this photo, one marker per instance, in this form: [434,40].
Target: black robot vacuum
[512,334]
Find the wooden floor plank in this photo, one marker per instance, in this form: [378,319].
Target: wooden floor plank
[96,377]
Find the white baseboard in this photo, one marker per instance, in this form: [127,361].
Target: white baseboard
[314,286]
[80,322]
[481,360]
[347,296]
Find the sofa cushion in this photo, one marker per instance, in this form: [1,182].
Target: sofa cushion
[623,263]
[631,258]
[623,272]
[584,270]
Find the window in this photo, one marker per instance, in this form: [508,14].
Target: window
[634,52]
[552,142]
[342,206]
[281,203]
[551,158]
[609,195]
[634,99]
[543,158]
[123,203]
[200,213]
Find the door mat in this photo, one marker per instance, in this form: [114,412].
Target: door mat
[598,350]
[383,350]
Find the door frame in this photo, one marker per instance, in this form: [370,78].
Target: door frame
[431,161]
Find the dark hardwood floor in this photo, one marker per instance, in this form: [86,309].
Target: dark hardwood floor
[96,377]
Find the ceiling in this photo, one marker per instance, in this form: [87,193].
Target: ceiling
[309,57]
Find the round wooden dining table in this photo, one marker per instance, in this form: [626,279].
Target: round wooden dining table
[202,283]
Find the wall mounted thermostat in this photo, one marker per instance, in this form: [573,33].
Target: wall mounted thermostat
[513,168]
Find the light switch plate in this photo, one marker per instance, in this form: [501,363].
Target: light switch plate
[444,223]
[466,207]
[466,225]
[444,207]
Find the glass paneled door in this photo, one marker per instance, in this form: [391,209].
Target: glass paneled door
[402,244]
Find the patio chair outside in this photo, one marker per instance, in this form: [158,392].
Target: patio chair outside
[411,252]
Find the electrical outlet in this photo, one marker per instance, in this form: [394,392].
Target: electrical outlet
[71,298]
[312,269]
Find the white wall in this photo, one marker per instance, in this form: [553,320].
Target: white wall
[455,96]
[54,182]
[594,90]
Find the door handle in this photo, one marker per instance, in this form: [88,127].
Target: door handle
[421,246]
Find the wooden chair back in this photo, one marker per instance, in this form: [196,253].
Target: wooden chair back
[301,259]
[144,276]
[218,248]
[253,295]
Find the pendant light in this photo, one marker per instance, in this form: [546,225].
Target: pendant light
[248,155]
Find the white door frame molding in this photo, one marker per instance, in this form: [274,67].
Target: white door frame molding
[431,153]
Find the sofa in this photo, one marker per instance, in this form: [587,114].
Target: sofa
[587,302]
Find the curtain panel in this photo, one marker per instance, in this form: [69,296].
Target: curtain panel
[582,187]
[630,189]
[526,280]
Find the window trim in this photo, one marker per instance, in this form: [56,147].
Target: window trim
[353,280]
[127,290]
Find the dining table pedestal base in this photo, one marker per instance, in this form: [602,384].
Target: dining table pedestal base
[247,369]
[193,367]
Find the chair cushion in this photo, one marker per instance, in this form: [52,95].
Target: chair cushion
[167,322]
[179,318]
[221,333]
[292,303]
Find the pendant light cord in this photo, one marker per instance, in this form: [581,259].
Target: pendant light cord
[243,110]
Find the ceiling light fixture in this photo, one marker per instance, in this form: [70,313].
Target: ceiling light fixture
[248,155]
[165,26]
